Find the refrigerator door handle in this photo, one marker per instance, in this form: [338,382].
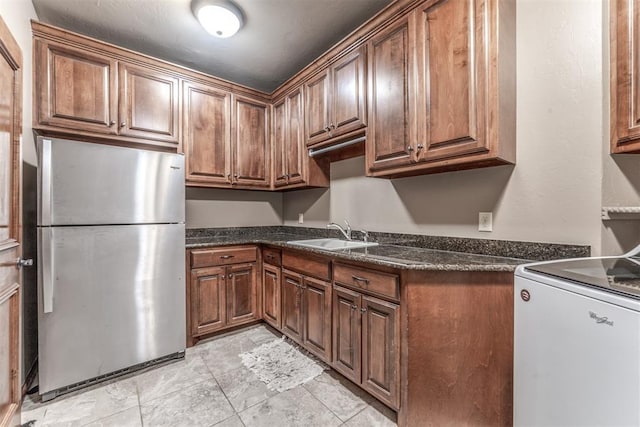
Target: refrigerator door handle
[48,274]
[45,183]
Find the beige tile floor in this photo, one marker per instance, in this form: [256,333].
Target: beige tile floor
[211,387]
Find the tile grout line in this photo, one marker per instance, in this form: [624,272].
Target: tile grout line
[139,403]
[221,390]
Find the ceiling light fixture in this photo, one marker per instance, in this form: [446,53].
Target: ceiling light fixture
[220,18]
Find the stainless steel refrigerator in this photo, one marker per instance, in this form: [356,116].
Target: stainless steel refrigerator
[111,270]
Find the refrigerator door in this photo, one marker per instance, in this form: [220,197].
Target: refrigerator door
[576,359]
[82,183]
[114,296]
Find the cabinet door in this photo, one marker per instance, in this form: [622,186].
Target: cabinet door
[625,76]
[381,349]
[317,317]
[271,295]
[346,333]
[292,305]
[207,134]
[251,154]
[348,86]
[75,89]
[148,104]
[390,89]
[452,86]
[208,296]
[295,152]
[241,294]
[317,108]
[279,136]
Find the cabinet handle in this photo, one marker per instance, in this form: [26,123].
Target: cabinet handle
[226,256]
[123,124]
[360,279]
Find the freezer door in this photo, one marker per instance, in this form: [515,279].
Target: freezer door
[81,183]
[114,296]
[577,359]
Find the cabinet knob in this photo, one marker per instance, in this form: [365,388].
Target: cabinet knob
[420,147]
[229,177]
[112,122]
[332,126]
[230,276]
[123,124]
[409,148]
[353,307]
[327,129]
[363,310]
[222,277]
[235,176]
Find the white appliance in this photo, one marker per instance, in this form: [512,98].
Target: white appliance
[577,342]
[111,267]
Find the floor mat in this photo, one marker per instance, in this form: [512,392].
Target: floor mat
[282,366]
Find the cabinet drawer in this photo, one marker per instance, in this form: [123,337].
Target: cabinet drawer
[308,265]
[272,256]
[371,281]
[222,256]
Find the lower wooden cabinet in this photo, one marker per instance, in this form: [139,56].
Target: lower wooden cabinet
[366,344]
[221,296]
[306,312]
[271,286]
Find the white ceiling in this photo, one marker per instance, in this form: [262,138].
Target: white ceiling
[278,39]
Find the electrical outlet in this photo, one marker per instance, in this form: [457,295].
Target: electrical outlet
[485,221]
[300,218]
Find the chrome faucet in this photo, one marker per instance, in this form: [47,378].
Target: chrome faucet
[346,232]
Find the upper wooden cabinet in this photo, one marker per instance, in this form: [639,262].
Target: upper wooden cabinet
[207,134]
[625,77]
[336,99]
[148,104]
[292,166]
[390,89]
[452,66]
[75,92]
[75,89]
[250,143]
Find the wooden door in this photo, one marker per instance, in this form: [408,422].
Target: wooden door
[317,317]
[207,134]
[279,142]
[75,89]
[292,305]
[148,104]
[271,295]
[242,298]
[451,44]
[317,108]
[346,333]
[295,151]
[10,250]
[348,86]
[208,296]
[624,34]
[381,349]
[389,134]
[251,155]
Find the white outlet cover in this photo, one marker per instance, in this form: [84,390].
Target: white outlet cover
[300,218]
[485,221]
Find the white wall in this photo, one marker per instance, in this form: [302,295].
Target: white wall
[553,194]
[232,208]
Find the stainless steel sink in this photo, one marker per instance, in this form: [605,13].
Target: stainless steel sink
[332,244]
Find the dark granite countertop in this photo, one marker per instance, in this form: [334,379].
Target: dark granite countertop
[402,251]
